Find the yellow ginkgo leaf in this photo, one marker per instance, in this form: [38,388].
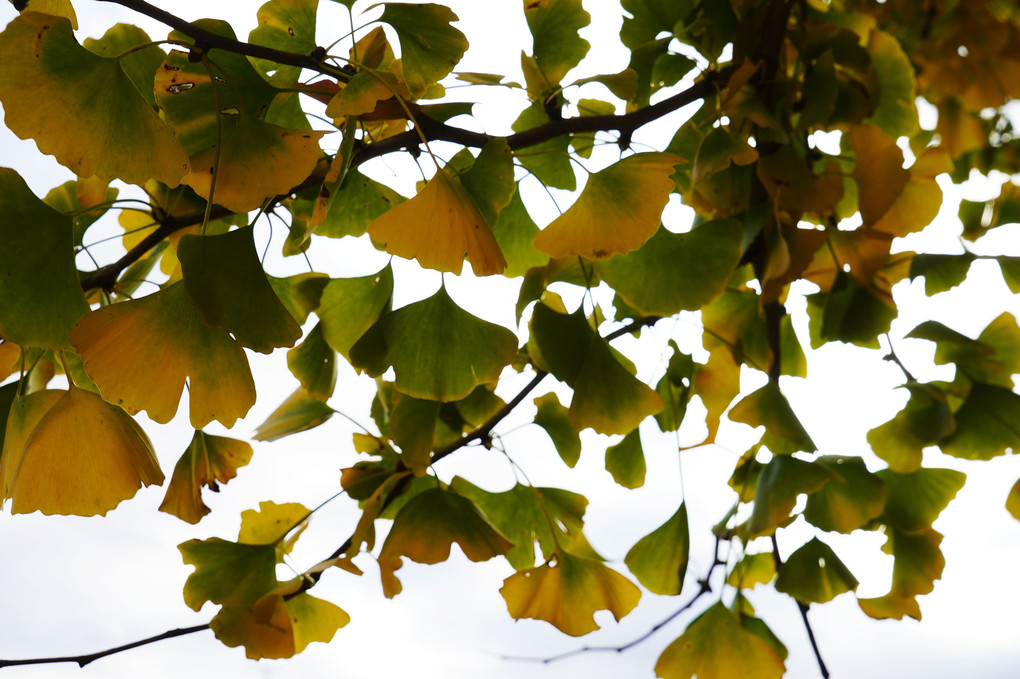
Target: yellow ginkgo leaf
[567,592]
[71,452]
[256,161]
[208,461]
[438,227]
[618,210]
[140,352]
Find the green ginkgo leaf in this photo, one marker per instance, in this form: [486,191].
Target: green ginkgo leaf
[567,591]
[164,333]
[208,461]
[618,210]
[300,294]
[918,563]
[430,48]
[287,25]
[814,574]
[557,46]
[895,113]
[412,427]
[987,424]
[550,160]
[350,306]
[358,201]
[925,420]
[224,278]
[428,525]
[437,350]
[753,570]
[780,482]
[850,500]
[515,232]
[607,396]
[361,94]
[716,646]
[914,501]
[769,408]
[659,559]
[138,55]
[71,452]
[42,297]
[299,412]
[490,179]
[625,461]
[676,272]
[553,417]
[43,68]
[313,362]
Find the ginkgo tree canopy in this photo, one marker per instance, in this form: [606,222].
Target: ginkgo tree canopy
[762,171]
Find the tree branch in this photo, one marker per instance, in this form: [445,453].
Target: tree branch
[206,40]
[83,660]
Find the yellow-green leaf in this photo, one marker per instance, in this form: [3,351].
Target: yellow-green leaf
[274,524]
[350,306]
[42,297]
[659,559]
[626,461]
[769,408]
[781,481]
[225,280]
[438,227]
[814,574]
[557,46]
[426,528]
[850,500]
[164,333]
[918,563]
[208,461]
[313,362]
[618,209]
[437,350]
[287,25]
[553,417]
[914,501]
[893,71]
[71,452]
[430,48]
[361,94]
[298,412]
[716,646]
[566,591]
[43,68]
[752,570]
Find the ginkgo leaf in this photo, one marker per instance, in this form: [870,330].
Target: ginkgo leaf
[138,55]
[412,427]
[255,161]
[75,198]
[918,563]
[437,350]
[552,416]
[925,419]
[361,94]
[287,25]
[43,68]
[557,46]
[895,112]
[625,461]
[358,201]
[618,209]
[276,524]
[228,573]
[42,297]
[567,591]
[515,232]
[1012,499]
[987,424]
[438,227]
[550,160]
[717,646]
[753,570]
[300,294]
[225,280]
[71,452]
[490,179]
[659,559]
[717,383]
[676,272]
[850,500]
[164,333]
[526,515]
[208,461]
[350,306]
[781,481]
[607,397]
[430,48]
[914,501]
[299,412]
[426,528]
[814,574]
[769,408]
[313,362]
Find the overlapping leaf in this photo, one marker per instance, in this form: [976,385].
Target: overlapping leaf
[430,48]
[38,281]
[164,333]
[618,210]
[437,350]
[71,452]
[43,68]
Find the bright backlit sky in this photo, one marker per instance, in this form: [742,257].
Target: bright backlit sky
[73,585]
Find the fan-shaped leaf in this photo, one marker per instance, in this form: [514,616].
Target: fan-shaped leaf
[659,559]
[208,461]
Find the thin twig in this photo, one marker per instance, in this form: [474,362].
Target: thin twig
[891,356]
[85,659]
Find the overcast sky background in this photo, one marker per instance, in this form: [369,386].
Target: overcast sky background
[73,585]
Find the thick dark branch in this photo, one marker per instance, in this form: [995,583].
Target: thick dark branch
[83,660]
[206,40]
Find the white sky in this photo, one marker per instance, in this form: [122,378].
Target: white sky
[73,585]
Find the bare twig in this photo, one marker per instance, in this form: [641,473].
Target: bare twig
[85,659]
